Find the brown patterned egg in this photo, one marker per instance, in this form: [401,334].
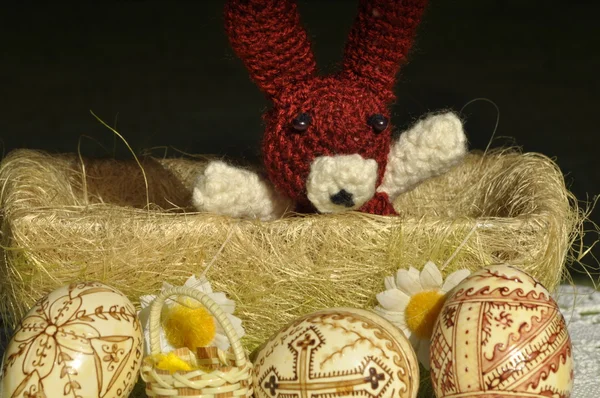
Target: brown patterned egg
[500,334]
[81,340]
[335,353]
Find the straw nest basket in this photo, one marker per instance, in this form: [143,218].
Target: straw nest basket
[220,382]
[131,225]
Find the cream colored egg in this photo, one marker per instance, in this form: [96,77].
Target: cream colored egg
[335,353]
[500,334]
[81,340]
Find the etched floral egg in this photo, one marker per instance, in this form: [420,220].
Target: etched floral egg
[500,334]
[81,340]
[334,353]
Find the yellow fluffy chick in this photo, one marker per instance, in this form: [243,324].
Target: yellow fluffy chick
[188,325]
[171,362]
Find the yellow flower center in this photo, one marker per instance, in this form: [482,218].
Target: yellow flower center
[422,311]
[188,325]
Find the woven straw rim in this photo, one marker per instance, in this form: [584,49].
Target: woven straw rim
[205,384]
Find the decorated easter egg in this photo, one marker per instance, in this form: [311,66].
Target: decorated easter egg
[500,334]
[81,340]
[334,353]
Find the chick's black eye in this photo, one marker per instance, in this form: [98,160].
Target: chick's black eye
[301,122]
[378,122]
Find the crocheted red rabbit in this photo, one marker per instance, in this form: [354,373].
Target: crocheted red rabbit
[328,144]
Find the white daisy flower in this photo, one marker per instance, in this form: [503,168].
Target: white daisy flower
[413,300]
[215,334]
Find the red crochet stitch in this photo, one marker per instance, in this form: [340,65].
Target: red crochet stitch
[268,37]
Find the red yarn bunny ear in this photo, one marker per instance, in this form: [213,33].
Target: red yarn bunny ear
[380,38]
[268,37]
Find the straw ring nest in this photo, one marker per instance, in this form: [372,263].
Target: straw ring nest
[66,218]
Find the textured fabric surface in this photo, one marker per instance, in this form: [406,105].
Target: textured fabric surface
[337,111]
[581,308]
[236,192]
[430,148]
[340,182]
[379,41]
[330,175]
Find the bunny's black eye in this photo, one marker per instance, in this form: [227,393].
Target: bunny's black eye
[378,122]
[301,122]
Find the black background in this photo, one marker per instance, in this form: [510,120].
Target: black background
[164,75]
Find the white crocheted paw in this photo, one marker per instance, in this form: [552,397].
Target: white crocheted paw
[430,148]
[237,192]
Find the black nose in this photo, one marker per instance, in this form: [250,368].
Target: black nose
[343,198]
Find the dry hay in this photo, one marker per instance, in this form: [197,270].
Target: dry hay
[58,227]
